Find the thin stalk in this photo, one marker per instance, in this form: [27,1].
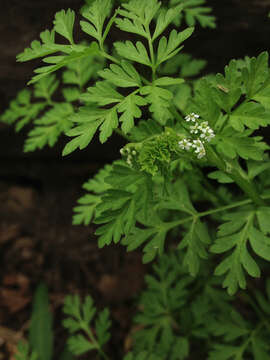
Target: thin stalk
[258,311]
[94,341]
[109,57]
[107,29]
[176,223]
[151,49]
[243,348]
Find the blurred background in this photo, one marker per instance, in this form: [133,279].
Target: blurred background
[39,189]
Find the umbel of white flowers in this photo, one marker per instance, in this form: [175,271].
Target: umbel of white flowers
[202,130]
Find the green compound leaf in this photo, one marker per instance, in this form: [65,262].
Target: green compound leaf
[195,13]
[130,26]
[87,204]
[81,71]
[228,88]
[73,53]
[255,74]
[71,94]
[224,352]
[137,16]
[255,168]
[96,15]
[144,355]
[131,52]
[263,214]
[48,128]
[196,240]
[80,318]
[70,53]
[119,220]
[119,205]
[169,48]
[63,24]
[242,339]
[38,49]
[220,176]
[130,109]
[140,15]
[103,325]
[251,115]
[168,81]
[21,110]
[260,243]
[122,76]
[41,331]
[232,145]
[260,348]
[160,102]
[24,353]
[165,18]
[155,230]
[153,234]
[102,94]
[46,87]
[234,234]
[88,120]
[79,344]
[165,295]
[203,104]
[263,97]
[145,129]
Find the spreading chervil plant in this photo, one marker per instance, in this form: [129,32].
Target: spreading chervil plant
[190,188]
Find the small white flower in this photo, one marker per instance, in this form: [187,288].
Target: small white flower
[192,117]
[185,144]
[129,160]
[201,153]
[210,137]
[194,129]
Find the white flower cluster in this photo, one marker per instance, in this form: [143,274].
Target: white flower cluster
[192,117]
[129,154]
[197,145]
[203,130]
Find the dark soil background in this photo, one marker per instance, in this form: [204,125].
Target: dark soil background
[38,190]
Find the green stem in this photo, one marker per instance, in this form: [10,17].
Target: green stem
[235,173]
[243,348]
[151,49]
[107,29]
[173,224]
[94,341]
[260,314]
[107,56]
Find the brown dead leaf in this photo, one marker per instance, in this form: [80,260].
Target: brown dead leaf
[19,280]
[8,232]
[20,198]
[10,336]
[14,300]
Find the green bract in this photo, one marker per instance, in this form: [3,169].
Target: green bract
[179,133]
